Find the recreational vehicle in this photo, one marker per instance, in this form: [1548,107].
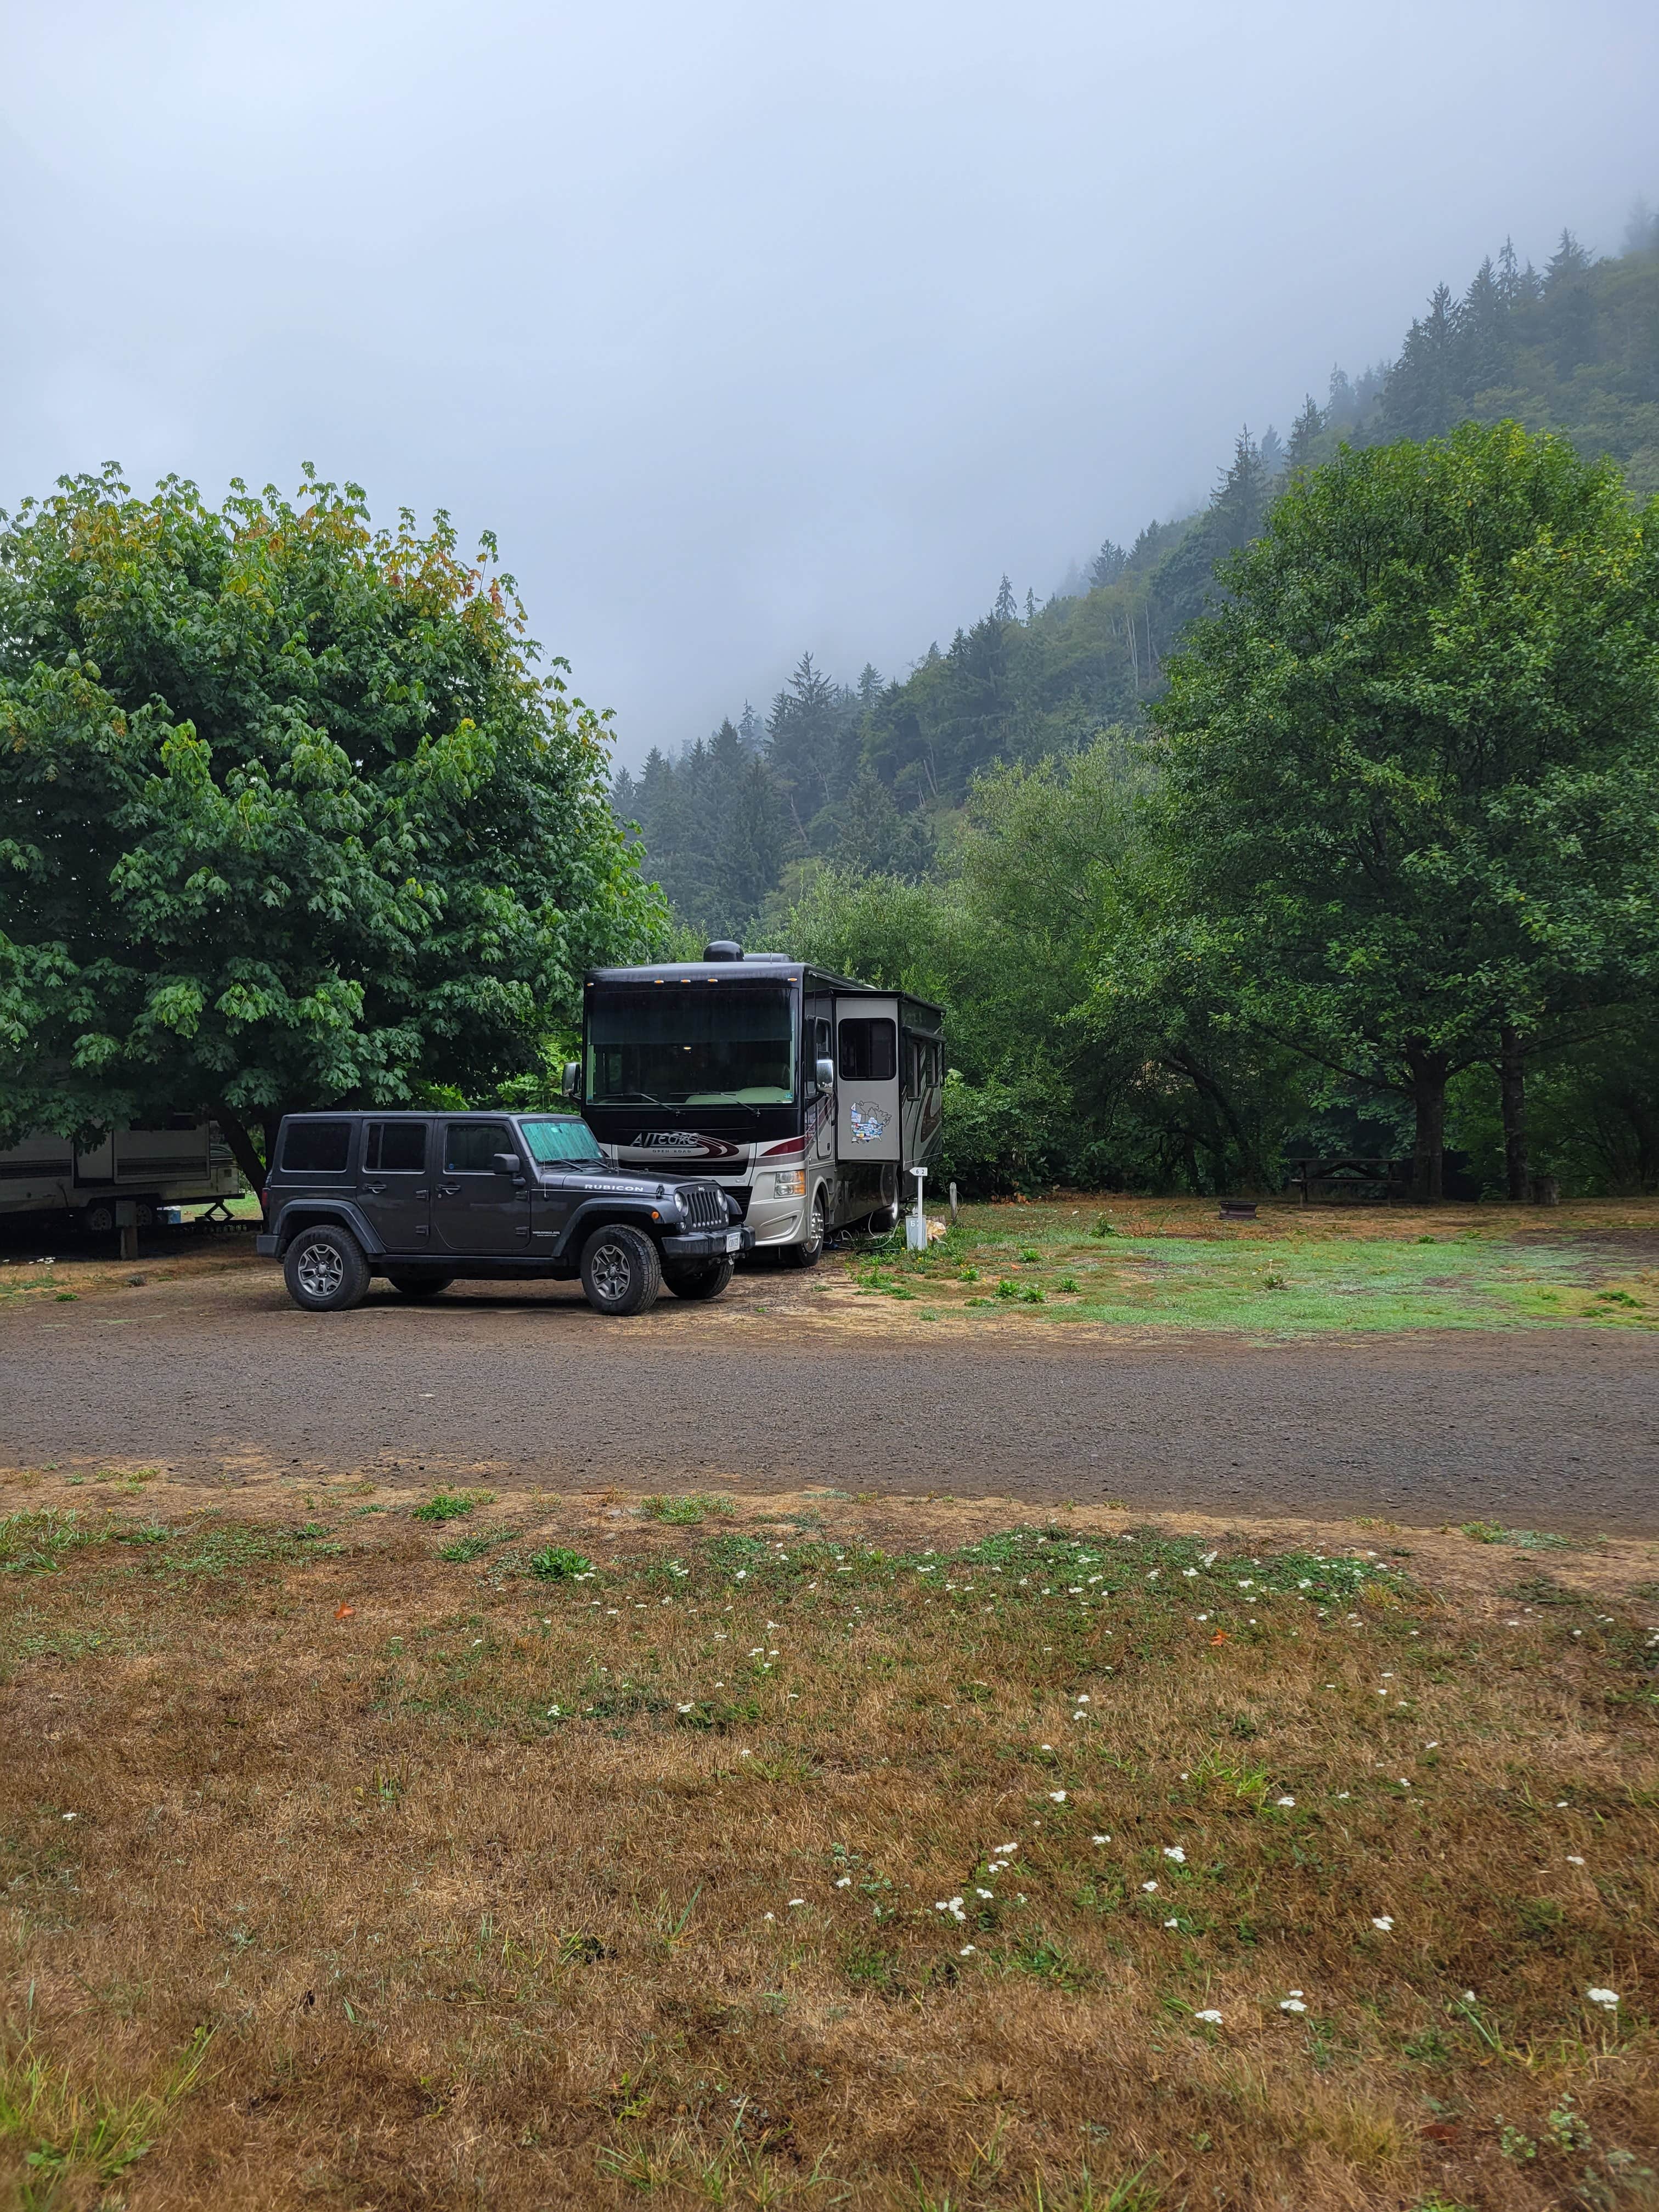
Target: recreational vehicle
[182,1162]
[809,1099]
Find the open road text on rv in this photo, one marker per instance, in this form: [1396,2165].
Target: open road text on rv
[807,1097]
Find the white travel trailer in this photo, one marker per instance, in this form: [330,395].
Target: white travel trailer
[809,1097]
[181,1162]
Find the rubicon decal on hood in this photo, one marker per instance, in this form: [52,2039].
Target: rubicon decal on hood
[684,1143]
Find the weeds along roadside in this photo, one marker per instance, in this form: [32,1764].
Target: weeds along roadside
[519,1864]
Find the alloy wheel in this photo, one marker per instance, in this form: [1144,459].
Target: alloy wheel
[612,1273]
[320,1271]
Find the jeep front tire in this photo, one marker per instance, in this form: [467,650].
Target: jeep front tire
[622,1271]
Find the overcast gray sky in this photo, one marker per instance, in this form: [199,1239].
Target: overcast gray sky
[754,327]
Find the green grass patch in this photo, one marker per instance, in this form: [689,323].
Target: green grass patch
[452,1504]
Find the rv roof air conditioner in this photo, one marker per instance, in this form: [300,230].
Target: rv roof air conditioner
[722,949]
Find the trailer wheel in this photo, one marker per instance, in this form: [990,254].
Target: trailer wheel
[705,1282]
[808,1254]
[622,1271]
[98,1219]
[324,1270]
[419,1286]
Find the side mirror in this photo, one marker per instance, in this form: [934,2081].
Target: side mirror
[826,1075]
[570,1082]
[506,1163]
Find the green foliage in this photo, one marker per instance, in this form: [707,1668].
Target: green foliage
[450,1504]
[288,817]
[557,1563]
[1411,767]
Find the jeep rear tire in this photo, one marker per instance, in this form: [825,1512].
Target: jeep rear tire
[324,1269]
[419,1286]
[706,1281]
[622,1271]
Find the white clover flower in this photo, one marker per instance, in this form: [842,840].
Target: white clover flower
[1291,2004]
[1101,1839]
[1175,1852]
[1284,1800]
[966,1951]
[1382,1920]
[1056,1796]
[1210,2014]
[1149,1886]
[1172,1923]
[985,1892]
[1607,1999]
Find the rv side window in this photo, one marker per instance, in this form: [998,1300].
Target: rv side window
[869,1051]
[317,1147]
[394,1148]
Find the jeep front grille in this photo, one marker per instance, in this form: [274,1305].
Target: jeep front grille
[705,1205]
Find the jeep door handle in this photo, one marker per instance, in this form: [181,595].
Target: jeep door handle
[449,1190]
[375,1189]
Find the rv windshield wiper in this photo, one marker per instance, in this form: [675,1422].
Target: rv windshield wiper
[621,1097]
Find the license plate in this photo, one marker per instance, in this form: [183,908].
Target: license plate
[734,1240]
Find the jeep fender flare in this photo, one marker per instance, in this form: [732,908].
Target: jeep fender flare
[599,1212]
[309,1212]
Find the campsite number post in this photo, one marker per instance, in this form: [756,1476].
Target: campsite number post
[916,1224]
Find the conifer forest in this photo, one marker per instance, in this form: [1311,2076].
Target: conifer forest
[1317,824]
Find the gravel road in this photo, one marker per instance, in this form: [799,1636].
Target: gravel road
[522,1385]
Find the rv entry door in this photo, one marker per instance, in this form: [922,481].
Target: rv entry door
[867,1080]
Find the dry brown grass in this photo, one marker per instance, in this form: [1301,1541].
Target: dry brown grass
[345,1913]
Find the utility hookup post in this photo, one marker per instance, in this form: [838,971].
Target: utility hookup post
[916,1224]
[954,1205]
[126,1225]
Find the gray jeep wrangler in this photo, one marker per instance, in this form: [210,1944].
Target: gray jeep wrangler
[422,1198]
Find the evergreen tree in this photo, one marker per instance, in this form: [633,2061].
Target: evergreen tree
[1306,432]
[802,749]
[1007,608]
[1108,565]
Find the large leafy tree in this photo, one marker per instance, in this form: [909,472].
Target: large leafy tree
[288,816]
[1413,764]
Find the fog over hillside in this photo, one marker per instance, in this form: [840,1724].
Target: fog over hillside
[747,331]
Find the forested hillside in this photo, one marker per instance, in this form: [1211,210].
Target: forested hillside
[992,827]
[864,774]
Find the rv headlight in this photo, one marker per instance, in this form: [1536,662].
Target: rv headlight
[789,1182]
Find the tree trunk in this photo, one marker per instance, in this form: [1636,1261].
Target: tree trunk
[245,1152]
[1428,1071]
[1512,1092]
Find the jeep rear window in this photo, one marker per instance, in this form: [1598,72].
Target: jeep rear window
[394,1148]
[317,1147]
[563,1139]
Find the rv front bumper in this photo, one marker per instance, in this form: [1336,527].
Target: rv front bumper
[709,1244]
[265,1247]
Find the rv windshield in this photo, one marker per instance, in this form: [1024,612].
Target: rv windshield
[690,1044]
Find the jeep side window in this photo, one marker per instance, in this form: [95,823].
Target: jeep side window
[394,1148]
[869,1051]
[469,1147]
[317,1147]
